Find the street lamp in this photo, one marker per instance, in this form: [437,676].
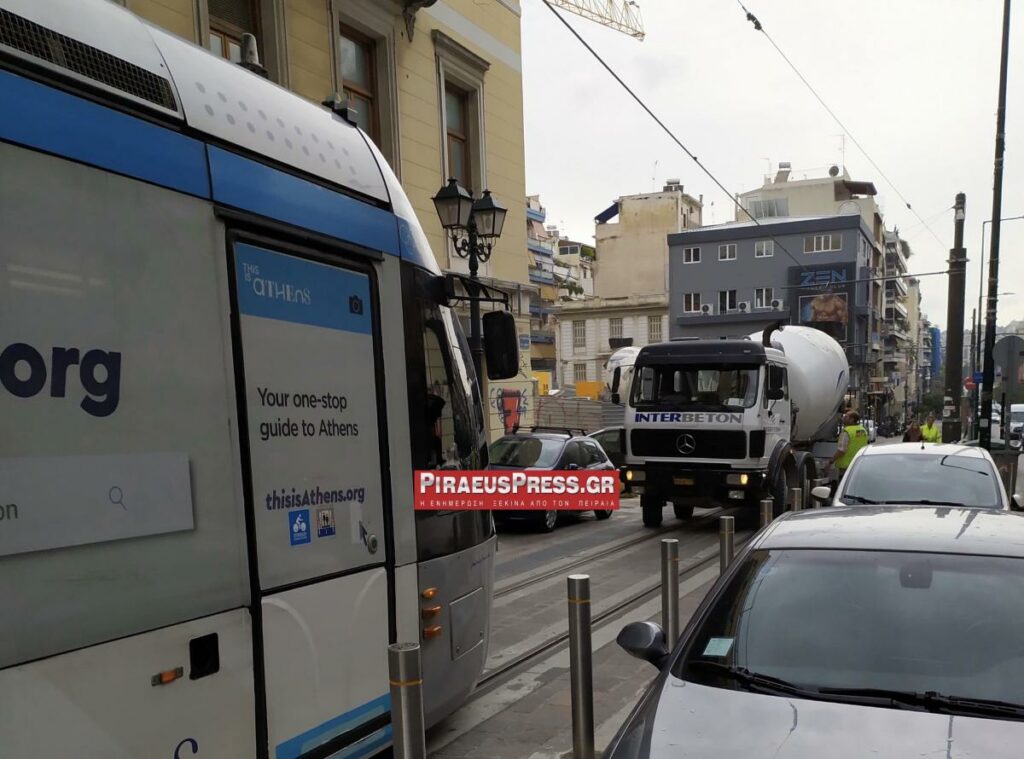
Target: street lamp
[473,226]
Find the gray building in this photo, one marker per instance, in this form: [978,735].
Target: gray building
[735,279]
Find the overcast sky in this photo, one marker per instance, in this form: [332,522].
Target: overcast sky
[915,81]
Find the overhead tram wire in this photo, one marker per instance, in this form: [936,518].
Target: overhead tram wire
[669,132]
[760,28]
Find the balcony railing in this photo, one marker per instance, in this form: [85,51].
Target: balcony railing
[541,276]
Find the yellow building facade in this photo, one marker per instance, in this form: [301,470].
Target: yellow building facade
[437,84]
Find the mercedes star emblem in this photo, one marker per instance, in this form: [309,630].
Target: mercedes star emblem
[685,444]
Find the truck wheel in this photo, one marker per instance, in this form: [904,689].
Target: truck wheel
[603,514]
[777,492]
[548,520]
[651,510]
[682,511]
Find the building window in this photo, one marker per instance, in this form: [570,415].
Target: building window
[823,243]
[654,329]
[461,75]
[765,209]
[615,327]
[727,252]
[764,248]
[691,255]
[359,78]
[691,303]
[456,108]
[229,20]
[763,297]
[726,301]
[579,334]
[579,372]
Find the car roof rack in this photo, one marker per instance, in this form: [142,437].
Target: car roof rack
[570,431]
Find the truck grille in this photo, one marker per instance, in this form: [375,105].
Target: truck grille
[706,444]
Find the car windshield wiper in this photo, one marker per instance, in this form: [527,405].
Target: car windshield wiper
[754,680]
[934,701]
[929,502]
[855,498]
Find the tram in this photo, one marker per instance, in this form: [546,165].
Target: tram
[220,327]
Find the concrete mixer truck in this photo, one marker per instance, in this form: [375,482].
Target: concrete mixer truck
[714,421]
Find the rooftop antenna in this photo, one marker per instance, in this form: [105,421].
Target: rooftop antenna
[842,150]
[654,177]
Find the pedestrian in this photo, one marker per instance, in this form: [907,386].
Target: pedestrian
[853,437]
[930,431]
[913,433]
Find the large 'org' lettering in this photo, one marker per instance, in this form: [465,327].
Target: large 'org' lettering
[103,393]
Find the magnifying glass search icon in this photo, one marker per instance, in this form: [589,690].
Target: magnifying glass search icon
[117,497]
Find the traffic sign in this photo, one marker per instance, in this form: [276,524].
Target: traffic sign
[978,377]
[969,383]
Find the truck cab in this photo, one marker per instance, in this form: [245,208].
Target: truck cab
[712,422]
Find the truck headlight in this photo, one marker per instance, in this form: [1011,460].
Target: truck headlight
[737,479]
[629,475]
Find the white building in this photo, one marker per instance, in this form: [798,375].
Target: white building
[590,331]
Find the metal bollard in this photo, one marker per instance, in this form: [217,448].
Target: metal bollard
[670,589]
[796,499]
[407,723]
[767,511]
[581,674]
[726,533]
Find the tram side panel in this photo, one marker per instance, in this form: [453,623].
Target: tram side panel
[124,574]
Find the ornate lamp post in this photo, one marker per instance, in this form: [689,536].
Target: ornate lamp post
[473,225]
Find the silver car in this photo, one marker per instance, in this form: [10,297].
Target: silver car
[846,633]
[929,474]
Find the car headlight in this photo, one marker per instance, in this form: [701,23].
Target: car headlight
[737,479]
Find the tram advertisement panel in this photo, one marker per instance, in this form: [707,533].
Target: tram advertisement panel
[307,343]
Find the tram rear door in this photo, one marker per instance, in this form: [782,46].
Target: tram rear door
[307,347]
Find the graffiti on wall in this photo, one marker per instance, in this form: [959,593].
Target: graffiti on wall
[511,405]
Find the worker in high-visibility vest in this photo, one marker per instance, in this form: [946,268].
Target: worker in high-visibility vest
[930,432]
[853,437]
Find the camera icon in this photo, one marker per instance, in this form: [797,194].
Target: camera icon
[355,305]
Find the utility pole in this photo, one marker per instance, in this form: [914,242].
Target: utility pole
[975,340]
[955,326]
[988,378]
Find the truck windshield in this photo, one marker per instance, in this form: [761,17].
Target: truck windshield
[695,386]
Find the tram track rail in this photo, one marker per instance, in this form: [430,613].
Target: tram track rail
[604,553]
[494,678]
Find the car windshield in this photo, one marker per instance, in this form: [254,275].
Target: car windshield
[848,620]
[1017,416]
[525,452]
[922,477]
[695,386]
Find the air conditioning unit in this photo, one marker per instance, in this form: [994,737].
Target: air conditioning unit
[743,307]
[707,309]
[777,305]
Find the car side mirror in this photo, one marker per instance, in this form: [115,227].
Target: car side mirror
[616,380]
[645,641]
[573,467]
[501,345]
[1017,502]
[821,493]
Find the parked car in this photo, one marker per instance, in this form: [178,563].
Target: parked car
[846,633]
[920,474]
[546,448]
[872,428]
[610,440]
